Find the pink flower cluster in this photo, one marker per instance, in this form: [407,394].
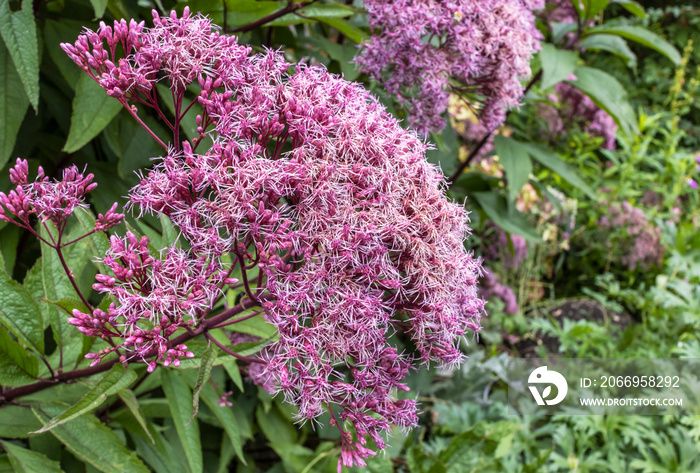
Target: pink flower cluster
[53,201]
[498,248]
[491,288]
[156,297]
[642,238]
[315,188]
[423,50]
[572,109]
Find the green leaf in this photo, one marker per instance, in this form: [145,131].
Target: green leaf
[98,242]
[510,220]
[561,168]
[55,33]
[516,163]
[355,33]
[57,286]
[18,30]
[226,417]
[27,461]
[179,398]
[593,7]
[557,64]
[93,109]
[18,366]
[99,7]
[319,12]
[254,326]
[609,95]
[169,232]
[234,373]
[132,403]
[92,442]
[17,422]
[612,44]
[13,105]
[116,379]
[642,36]
[203,375]
[633,7]
[20,313]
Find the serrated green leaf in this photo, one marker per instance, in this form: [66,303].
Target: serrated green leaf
[132,403]
[116,379]
[91,441]
[57,286]
[516,163]
[27,461]
[20,313]
[510,220]
[18,30]
[17,422]
[93,109]
[642,36]
[18,366]
[612,44]
[13,105]
[179,398]
[608,94]
[557,64]
[203,376]
[226,417]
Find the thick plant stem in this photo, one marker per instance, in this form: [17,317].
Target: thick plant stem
[8,396]
[290,8]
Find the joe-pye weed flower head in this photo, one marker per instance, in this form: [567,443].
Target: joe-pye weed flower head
[317,193]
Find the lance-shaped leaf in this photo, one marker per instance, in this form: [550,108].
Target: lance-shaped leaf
[20,313]
[27,461]
[179,398]
[18,30]
[13,105]
[17,422]
[561,168]
[557,64]
[93,109]
[116,379]
[516,163]
[92,442]
[226,417]
[644,37]
[203,376]
[18,366]
[608,94]
[132,403]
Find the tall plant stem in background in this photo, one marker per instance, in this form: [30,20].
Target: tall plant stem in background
[486,137]
[290,8]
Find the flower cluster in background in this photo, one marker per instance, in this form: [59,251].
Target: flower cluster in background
[312,186]
[570,109]
[422,51]
[640,236]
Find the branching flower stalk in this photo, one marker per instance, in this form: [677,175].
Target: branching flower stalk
[339,226]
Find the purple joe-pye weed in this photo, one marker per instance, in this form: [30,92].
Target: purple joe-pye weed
[339,225]
[423,50]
